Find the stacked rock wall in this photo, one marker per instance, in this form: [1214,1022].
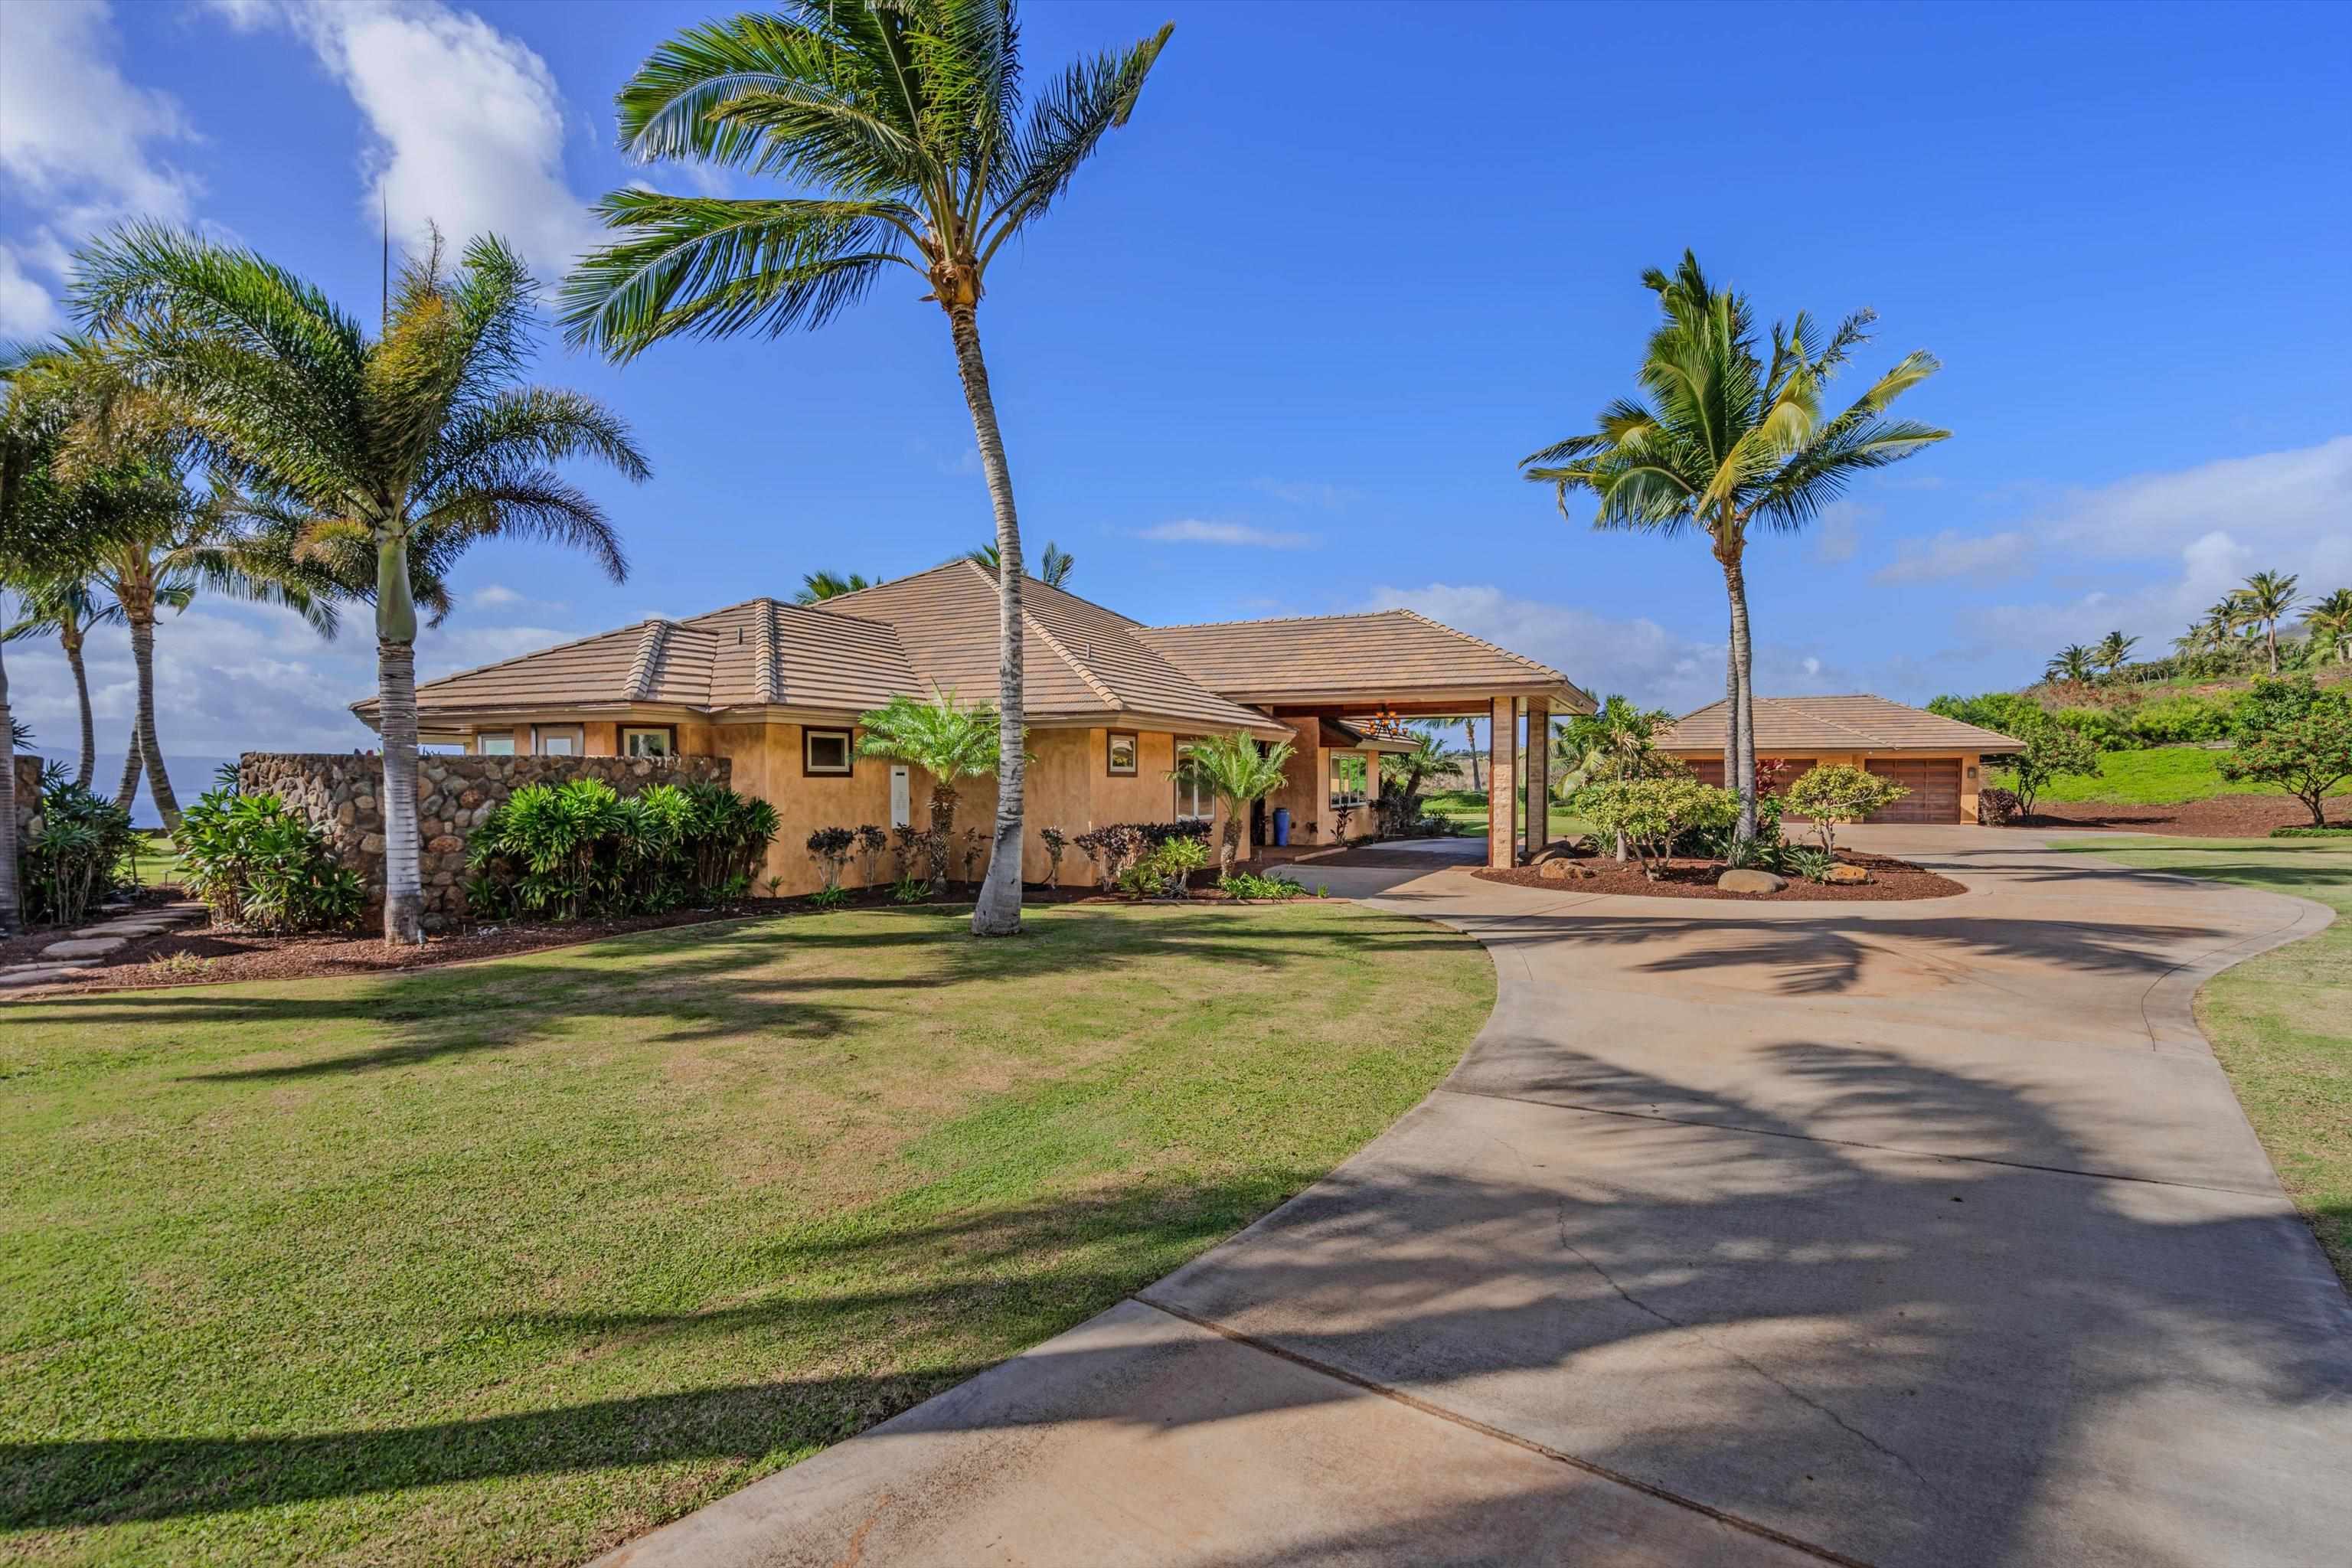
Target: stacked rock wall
[341,794]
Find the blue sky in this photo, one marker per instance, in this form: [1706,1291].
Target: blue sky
[1281,348]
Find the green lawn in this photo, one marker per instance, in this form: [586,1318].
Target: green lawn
[155,862]
[2162,775]
[2277,1022]
[511,1262]
[1467,809]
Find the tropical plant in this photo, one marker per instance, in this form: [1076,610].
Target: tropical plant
[1111,849]
[1057,844]
[819,586]
[1248,887]
[73,858]
[832,896]
[2114,651]
[2330,620]
[1837,792]
[871,842]
[2074,665]
[2052,752]
[903,119]
[1652,813]
[256,863]
[408,449]
[1728,441]
[909,891]
[582,850]
[2292,734]
[1996,807]
[1403,775]
[1239,772]
[2268,598]
[949,743]
[1054,567]
[69,608]
[1812,864]
[830,848]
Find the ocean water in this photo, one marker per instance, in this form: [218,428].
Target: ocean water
[191,776]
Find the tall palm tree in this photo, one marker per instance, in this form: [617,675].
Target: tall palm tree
[905,119]
[818,586]
[2114,650]
[1240,773]
[2074,665]
[2331,617]
[410,446]
[69,608]
[1725,440]
[1054,567]
[2268,598]
[949,743]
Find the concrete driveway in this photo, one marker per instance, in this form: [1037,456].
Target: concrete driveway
[1889,1233]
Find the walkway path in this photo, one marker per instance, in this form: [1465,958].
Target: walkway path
[1889,1233]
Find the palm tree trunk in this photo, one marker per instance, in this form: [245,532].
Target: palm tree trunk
[1743,699]
[159,782]
[128,790]
[11,906]
[1470,747]
[403,882]
[943,805]
[82,775]
[998,912]
[2270,633]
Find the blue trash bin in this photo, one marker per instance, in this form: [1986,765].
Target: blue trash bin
[1282,825]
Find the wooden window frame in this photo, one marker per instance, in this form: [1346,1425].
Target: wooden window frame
[576,733]
[848,768]
[1183,783]
[483,736]
[621,733]
[1111,739]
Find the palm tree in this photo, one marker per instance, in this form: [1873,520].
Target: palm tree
[1053,568]
[1240,773]
[904,117]
[2114,650]
[2074,665]
[1439,729]
[2331,619]
[949,743]
[1470,750]
[409,447]
[818,586]
[2268,598]
[1615,742]
[69,607]
[1727,440]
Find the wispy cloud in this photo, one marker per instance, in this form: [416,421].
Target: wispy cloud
[1951,554]
[1195,530]
[1839,535]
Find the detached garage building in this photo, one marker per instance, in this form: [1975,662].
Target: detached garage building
[1938,760]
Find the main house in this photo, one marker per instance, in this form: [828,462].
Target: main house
[777,688]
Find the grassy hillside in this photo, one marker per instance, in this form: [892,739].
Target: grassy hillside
[2164,776]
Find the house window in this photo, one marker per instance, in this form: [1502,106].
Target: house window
[653,741]
[499,745]
[558,741]
[1193,797]
[1122,755]
[824,753]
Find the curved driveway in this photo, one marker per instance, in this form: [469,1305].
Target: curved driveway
[1891,1233]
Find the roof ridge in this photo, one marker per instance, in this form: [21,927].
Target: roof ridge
[1482,642]
[644,671]
[1093,684]
[767,684]
[1278,620]
[518,659]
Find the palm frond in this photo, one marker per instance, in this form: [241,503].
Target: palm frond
[1066,123]
[522,502]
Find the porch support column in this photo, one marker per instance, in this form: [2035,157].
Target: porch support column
[1538,811]
[1370,818]
[1502,782]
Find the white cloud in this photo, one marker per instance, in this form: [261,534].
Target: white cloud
[495,594]
[1653,666]
[1955,554]
[1839,535]
[78,141]
[467,123]
[1193,530]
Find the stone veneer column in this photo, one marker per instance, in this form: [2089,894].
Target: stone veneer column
[1538,770]
[1502,782]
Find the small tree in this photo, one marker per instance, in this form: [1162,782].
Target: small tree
[830,848]
[1238,772]
[948,742]
[2292,734]
[1840,793]
[1057,844]
[1650,814]
[2052,752]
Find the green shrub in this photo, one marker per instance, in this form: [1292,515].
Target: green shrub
[2183,720]
[69,866]
[832,896]
[2003,712]
[1650,813]
[2311,833]
[2295,735]
[2052,752]
[1806,860]
[909,891]
[1247,887]
[1839,792]
[580,850]
[2105,730]
[831,849]
[255,863]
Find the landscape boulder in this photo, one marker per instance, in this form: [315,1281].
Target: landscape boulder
[1845,874]
[1741,879]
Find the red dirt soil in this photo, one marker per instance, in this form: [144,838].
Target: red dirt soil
[2218,817]
[1889,879]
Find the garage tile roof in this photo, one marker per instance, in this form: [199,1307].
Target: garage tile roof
[1787,725]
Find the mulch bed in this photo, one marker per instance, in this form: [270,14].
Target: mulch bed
[1889,879]
[226,954]
[2218,817]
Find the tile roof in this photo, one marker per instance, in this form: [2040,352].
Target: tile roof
[1786,725]
[1388,654]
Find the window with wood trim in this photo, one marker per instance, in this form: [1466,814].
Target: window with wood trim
[494,744]
[648,741]
[826,753]
[1121,750]
[1193,796]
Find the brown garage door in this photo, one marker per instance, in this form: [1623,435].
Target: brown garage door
[1935,789]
